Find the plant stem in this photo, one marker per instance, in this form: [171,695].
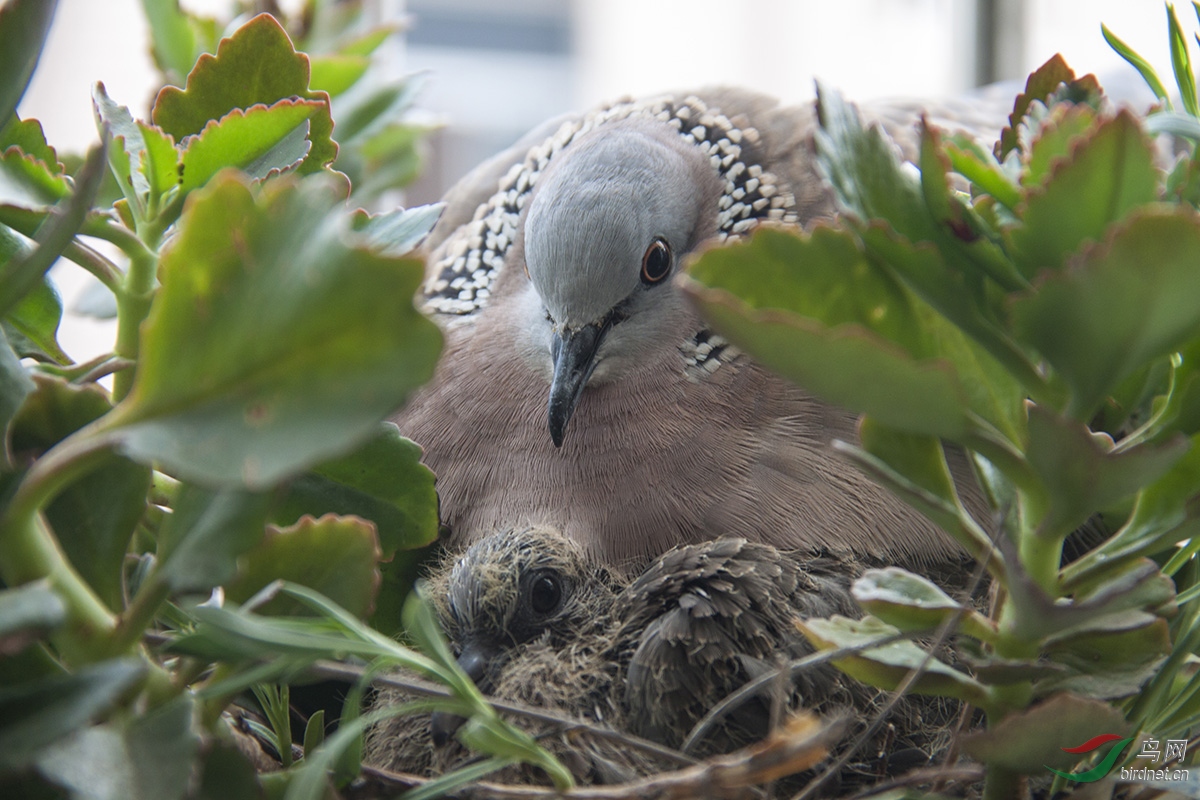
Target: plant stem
[100,267]
[136,292]
[29,550]
[1001,783]
[140,613]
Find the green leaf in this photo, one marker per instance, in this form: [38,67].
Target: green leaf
[981,168]
[912,603]
[21,274]
[208,530]
[1111,173]
[36,714]
[335,73]
[32,327]
[887,665]
[397,233]
[27,613]
[1057,137]
[227,774]
[314,731]
[1028,741]
[1039,87]
[24,25]
[813,309]
[15,385]
[373,111]
[370,41]
[1164,514]
[1083,474]
[1181,63]
[919,458]
[864,171]
[159,162]
[124,154]
[1137,62]
[31,164]
[94,517]
[261,141]
[383,481]
[278,339]
[1117,305]
[1096,650]
[146,757]
[174,42]
[255,66]
[336,556]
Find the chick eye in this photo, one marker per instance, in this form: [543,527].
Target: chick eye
[656,263]
[545,593]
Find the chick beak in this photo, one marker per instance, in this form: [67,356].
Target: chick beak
[474,661]
[574,353]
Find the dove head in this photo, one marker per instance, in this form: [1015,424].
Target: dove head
[608,225]
[512,588]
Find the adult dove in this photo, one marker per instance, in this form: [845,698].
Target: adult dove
[578,388]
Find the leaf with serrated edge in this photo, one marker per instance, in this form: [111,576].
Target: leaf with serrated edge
[277,340]
[813,309]
[260,141]
[1117,305]
[1082,475]
[159,162]
[201,541]
[383,481]
[1057,136]
[863,168]
[256,65]
[397,233]
[1108,174]
[913,603]
[124,155]
[336,556]
[32,326]
[887,665]
[31,163]
[1029,740]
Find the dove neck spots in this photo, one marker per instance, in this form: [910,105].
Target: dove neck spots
[468,264]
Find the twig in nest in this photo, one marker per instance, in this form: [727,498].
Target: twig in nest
[350,673]
[943,635]
[753,687]
[940,775]
[798,745]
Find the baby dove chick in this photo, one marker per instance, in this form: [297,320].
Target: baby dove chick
[533,621]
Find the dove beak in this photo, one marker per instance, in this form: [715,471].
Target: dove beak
[574,354]
[474,661]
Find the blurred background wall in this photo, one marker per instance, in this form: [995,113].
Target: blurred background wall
[497,67]
[494,68]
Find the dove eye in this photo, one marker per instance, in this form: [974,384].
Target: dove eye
[545,593]
[656,262]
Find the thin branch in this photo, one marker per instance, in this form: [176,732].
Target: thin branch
[793,748]
[944,632]
[941,775]
[791,669]
[350,673]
